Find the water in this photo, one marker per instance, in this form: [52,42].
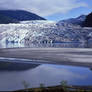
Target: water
[12,75]
[55,45]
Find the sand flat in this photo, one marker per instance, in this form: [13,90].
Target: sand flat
[81,56]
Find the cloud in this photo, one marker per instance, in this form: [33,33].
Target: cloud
[43,7]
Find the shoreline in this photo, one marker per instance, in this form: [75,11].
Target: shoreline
[68,87]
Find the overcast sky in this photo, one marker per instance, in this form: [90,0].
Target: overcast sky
[48,8]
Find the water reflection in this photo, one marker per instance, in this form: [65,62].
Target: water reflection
[56,45]
[46,74]
[14,66]
[11,45]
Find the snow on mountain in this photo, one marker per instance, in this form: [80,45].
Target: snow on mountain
[73,21]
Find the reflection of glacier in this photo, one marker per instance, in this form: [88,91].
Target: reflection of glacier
[41,32]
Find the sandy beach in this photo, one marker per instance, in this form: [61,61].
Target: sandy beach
[67,56]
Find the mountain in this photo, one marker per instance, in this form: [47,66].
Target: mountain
[41,33]
[73,21]
[88,20]
[5,19]
[14,16]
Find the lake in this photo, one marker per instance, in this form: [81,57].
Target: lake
[12,75]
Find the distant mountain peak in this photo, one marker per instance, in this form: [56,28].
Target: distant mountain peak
[74,21]
[81,17]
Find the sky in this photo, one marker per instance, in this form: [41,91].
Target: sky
[50,9]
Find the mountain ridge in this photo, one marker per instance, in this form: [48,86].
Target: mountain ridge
[14,16]
[73,21]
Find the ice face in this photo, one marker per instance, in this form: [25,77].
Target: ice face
[17,33]
[42,32]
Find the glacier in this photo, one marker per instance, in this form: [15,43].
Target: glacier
[42,31]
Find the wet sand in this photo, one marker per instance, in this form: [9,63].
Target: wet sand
[67,56]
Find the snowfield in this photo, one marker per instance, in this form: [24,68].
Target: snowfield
[28,32]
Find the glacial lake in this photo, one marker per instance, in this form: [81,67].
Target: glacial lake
[12,75]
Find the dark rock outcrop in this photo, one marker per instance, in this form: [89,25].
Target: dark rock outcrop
[88,21]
